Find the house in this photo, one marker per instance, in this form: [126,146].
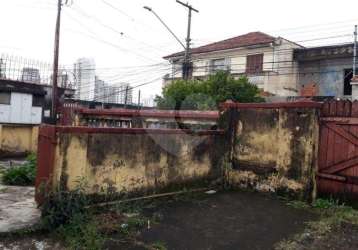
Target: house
[27,103]
[266,60]
[325,70]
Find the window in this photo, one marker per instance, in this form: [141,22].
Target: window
[218,64]
[37,101]
[5,98]
[254,63]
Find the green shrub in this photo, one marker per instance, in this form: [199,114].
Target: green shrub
[81,233]
[21,175]
[61,206]
[66,213]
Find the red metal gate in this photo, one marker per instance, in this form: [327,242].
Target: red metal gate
[338,150]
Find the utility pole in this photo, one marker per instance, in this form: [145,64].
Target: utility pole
[126,97]
[354,81]
[55,63]
[138,99]
[187,60]
[355,52]
[187,66]
[55,98]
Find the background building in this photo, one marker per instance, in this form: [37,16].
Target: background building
[85,78]
[266,60]
[120,93]
[31,75]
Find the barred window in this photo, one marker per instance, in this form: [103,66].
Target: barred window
[254,63]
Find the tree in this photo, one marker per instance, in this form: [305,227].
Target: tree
[207,94]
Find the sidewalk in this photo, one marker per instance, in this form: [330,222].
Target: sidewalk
[18,209]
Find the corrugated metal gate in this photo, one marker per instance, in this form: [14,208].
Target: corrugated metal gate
[338,150]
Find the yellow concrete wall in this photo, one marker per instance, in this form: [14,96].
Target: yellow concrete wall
[275,150]
[18,138]
[138,162]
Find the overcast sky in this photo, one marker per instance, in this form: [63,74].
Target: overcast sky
[124,39]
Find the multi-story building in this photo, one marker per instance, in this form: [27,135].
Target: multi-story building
[85,78]
[31,75]
[122,93]
[266,60]
[116,93]
[99,89]
[2,69]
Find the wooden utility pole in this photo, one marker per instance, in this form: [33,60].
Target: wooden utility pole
[126,97]
[355,52]
[55,63]
[187,60]
[138,99]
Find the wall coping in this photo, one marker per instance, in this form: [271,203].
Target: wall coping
[189,114]
[276,105]
[91,130]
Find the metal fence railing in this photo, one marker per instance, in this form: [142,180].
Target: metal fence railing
[32,71]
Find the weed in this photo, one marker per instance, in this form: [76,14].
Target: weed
[61,206]
[21,175]
[332,215]
[159,245]
[326,203]
[81,233]
[298,204]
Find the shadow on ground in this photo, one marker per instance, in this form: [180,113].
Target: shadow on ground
[233,220]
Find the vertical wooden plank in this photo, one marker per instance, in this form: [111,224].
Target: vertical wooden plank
[347,108]
[354,112]
[330,147]
[323,146]
[325,109]
[339,142]
[332,108]
[340,108]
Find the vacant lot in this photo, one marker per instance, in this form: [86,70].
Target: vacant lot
[224,220]
[230,220]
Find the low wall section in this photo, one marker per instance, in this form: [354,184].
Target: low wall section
[275,147]
[267,147]
[17,140]
[130,160]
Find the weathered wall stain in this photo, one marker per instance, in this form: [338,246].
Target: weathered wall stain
[274,150]
[129,162]
[18,139]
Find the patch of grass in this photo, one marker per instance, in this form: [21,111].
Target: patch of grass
[159,245]
[332,215]
[81,233]
[21,175]
[298,204]
[326,203]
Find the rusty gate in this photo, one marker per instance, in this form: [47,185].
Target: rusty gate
[338,150]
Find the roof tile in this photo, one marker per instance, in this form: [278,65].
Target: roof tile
[248,39]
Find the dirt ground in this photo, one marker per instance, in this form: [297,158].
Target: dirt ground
[234,220]
[343,237]
[227,220]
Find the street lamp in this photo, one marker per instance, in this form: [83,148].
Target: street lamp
[166,26]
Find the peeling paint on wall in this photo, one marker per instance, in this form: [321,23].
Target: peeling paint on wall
[275,150]
[135,161]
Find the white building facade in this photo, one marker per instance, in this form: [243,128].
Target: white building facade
[85,79]
[267,62]
[19,108]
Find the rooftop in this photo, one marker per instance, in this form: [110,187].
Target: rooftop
[252,38]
